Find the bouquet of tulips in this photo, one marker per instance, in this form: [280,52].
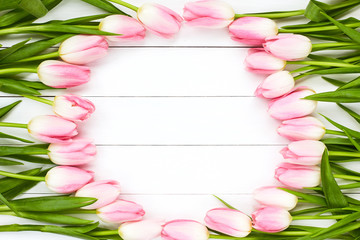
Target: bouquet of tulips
[311,163]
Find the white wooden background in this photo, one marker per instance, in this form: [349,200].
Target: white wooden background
[176,120]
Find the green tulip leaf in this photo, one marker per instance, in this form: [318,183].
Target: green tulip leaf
[8,108]
[7,136]
[350,32]
[105,5]
[23,187]
[18,15]
[225,203]
[333,195]
[334,82]
[85,229]
[339,96]
[10,206]
[353,133]
[31,158]
[343,170]
[7,162]
[32,49]
[10,150]
[51,203]
[355,115]
[55,218]
[351,84]
[34,7]
[8,51]
[8,183]
[8,4]
[16,87]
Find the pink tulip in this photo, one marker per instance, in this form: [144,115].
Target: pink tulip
[52,129]
[305,152]
[252,30]
[59,74]
[129,28]
[259,61]
[105,192]
[298,176]
[83,49]
[306,128]
[229,221]
[290,47]
[184,230]
[64,179]
[121,211]
[209,13]
[141,230]
[72,107]
[271,219]
[292,105]
[159,19]
[275,197]
[77,152]
[276,85]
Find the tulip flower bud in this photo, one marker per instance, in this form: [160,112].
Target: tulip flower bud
[159,19]
[83,49]
[77,152]
[306,128]
[129,28]
[259,61]
[275,197]
[105,192]
[271,219]
[292,105]
[305,152]
[298,176]
[290,47]
[58,74]
[52,129]
[252,30]
[184,229]
[229,221]
[121,211]
[64,179]
[276,85]
[141,230]
[72,107]
[209,13]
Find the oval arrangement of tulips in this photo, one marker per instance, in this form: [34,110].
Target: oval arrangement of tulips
[312,164]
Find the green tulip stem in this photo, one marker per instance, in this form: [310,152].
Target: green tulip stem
[40,99]
[104,233]
[318,217]
[18,228]
[41,57]
[322,46]
[323,64]
[302,69]
[353,59]
[344,154]
[17,70]
[14,125]
[125,4]
[23,177]
[273,15]
[334,132]
[79,211]
[317,29]
[347,177]
[284,233]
